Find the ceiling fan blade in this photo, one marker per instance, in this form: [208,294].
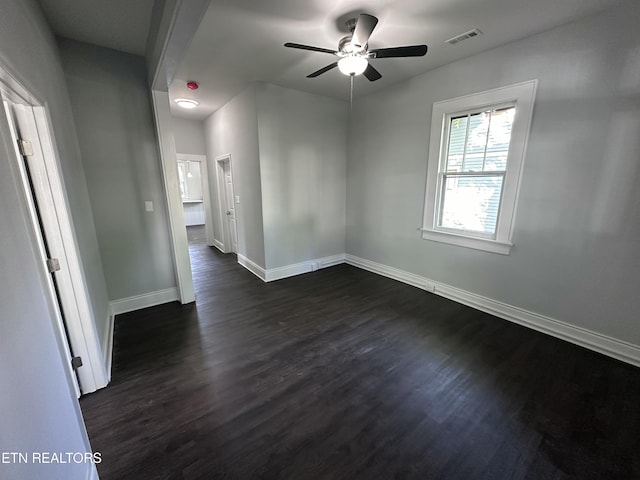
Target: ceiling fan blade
[397,52]
[372,74]
[309,47]
[323,70]
[364,28]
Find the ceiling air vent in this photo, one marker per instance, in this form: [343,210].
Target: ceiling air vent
[463,36]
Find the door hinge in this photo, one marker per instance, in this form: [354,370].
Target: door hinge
[53,264]
[25,147]
[76,362]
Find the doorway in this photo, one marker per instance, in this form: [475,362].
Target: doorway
[193,178]
[227,201]
[38,171]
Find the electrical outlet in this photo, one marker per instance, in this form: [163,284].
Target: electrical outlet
[148,206]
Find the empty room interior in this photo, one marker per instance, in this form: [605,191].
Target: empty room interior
[320,240]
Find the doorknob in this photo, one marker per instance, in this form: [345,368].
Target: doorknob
[228,212]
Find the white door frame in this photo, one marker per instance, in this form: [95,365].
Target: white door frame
[35,126]
[177,23]
[222,201]
[206,194]
[169,168]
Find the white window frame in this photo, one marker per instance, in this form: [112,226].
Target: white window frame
[522,95]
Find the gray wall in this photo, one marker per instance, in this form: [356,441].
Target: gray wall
[40,412]
[288,152]
[112,111]
[233,129]
[36,63]
[577,224]
[189,136]
[302,139]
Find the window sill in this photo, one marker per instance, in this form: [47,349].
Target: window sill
[493,246]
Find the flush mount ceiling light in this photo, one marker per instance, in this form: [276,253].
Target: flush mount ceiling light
[353,65]
[186,103]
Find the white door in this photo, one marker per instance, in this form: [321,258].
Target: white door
[32,179]
[43,187]
[230,205]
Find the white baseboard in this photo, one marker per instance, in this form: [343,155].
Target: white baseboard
[272,274]
[606,345]
[145,300]
[330,261]
[107,343]
[390,272]
[219,245]
[253,267]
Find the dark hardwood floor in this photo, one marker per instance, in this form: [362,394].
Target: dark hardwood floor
[343,374]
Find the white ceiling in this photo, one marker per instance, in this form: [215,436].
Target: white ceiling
[241,41]
[119,24]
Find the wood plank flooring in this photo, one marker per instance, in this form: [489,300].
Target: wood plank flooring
[343,374]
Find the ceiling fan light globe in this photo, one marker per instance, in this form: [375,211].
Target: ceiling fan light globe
[352,65]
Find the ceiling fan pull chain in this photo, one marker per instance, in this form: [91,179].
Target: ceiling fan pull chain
[351,92]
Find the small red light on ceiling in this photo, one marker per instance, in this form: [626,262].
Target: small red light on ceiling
[192,85]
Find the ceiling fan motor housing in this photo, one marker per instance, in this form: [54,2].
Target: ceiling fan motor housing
[345,46]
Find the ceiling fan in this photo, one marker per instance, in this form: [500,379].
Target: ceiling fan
[354,53]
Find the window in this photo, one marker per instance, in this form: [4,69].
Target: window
[182,180]
[189,179]
[475,160]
